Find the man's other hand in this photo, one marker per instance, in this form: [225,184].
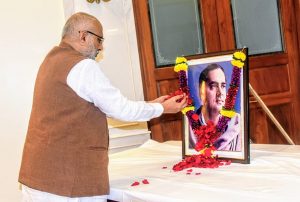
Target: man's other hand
[175,103]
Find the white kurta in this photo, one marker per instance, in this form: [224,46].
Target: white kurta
[90,83]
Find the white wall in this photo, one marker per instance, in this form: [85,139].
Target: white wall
[120,59]
[28,30]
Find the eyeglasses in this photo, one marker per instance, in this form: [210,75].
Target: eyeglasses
[99,38]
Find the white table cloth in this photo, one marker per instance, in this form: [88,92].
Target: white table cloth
[272,175]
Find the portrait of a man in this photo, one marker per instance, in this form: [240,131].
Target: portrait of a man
[212,84]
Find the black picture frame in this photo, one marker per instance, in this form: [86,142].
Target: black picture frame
[195,67]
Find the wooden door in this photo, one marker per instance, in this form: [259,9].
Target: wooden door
[273,76]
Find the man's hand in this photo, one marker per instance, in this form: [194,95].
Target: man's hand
[174,104]
[160,99]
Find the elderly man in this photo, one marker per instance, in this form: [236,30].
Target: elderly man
[65,156]
[212,91]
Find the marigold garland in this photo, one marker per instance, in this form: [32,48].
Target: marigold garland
[186,109]
[180,67]
[208,134]
[237,63]
[239,56]
[227,113]
[180,60]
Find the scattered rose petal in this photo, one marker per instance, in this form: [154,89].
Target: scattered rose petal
[188,173]
[145,181]
[164,167]
[135,184]
[197,173]
[228,163]
[189,170]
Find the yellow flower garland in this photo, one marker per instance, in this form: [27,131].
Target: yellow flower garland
[180,60]
[238,59]
[181,66]
[186,109]
[239,56]
[227,113]
[237,63]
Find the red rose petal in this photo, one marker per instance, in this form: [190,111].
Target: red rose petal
[164,167]
[189,170]
[199,161]
[135,184]
[197,173]
[145,181]
[195,117]
[228,163]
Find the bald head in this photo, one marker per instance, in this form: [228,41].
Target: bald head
[84,33]
[79,21]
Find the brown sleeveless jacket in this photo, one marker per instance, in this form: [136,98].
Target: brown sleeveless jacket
[66,147]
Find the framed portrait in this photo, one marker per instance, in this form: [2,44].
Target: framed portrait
[210,82]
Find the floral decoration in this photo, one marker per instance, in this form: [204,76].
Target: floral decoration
[207,134]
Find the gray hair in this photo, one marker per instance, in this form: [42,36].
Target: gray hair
[76,22]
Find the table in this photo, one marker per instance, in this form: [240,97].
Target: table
[272,175]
